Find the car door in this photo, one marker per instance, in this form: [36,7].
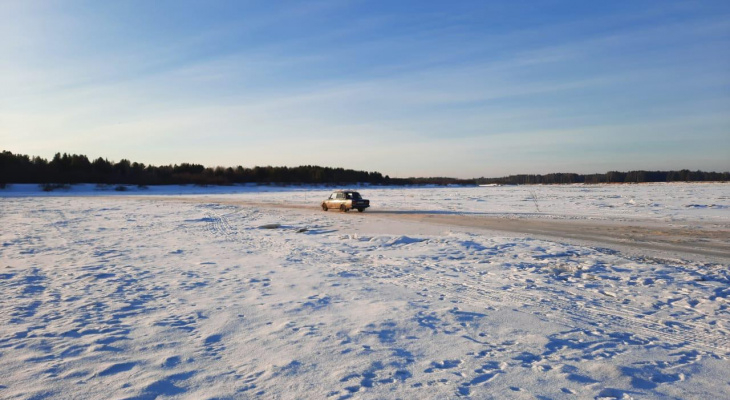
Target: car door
[332,201]
[340,200]
[350,199]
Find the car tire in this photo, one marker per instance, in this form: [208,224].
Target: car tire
[360,209]
[343,208]
[324,207]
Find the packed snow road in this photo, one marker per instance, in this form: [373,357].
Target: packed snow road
[142,298]
[698,239]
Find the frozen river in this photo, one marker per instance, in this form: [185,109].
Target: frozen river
[165,296]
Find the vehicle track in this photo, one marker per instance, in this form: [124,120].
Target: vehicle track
[709,240]
[220,225]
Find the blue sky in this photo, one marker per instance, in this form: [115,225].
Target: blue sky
[407,88]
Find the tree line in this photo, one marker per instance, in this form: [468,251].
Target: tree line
[611,177]
[75,168]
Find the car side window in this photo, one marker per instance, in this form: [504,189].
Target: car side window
[333,196]
[340,195]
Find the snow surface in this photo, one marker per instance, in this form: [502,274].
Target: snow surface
[659,201]
[143,298]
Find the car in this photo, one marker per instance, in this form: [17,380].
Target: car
[345,200]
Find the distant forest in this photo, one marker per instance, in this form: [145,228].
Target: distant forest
[74,168]
[612,177]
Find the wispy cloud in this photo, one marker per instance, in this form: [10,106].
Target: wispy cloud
[233,84]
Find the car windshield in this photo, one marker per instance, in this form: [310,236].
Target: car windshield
[356,195]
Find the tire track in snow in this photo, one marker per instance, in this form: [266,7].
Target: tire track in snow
[220,225]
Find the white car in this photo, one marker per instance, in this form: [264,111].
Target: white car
[345,200]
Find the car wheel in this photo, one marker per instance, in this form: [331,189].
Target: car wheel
[324,207]
[360,209]
[343,208]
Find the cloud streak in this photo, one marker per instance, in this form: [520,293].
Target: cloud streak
[431,91]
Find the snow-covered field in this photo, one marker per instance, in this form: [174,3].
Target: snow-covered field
[661,201]
[142,298]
